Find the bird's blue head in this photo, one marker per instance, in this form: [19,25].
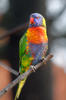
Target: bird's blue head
[36,20]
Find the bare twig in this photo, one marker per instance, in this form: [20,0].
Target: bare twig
[21,77]
[14,31]
[9,69]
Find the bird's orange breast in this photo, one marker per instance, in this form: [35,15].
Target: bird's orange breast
[37,35]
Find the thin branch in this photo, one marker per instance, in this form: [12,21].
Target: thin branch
[9,69]
[14,31]
[22,76]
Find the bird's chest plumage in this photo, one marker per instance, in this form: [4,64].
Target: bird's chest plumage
[36,35]
[36,42]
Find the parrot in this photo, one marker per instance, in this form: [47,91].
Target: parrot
[32,46]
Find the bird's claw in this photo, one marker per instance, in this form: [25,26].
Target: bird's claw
[45,62]
[33,68]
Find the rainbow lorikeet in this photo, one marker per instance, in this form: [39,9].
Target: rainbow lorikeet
[32,45]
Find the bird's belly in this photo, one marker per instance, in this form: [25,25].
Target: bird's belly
[37,51]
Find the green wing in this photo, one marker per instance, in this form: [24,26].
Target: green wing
[25,57]
[22,46]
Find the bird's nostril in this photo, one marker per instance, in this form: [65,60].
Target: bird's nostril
[31,20]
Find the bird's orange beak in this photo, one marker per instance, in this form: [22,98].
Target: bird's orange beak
[31,20]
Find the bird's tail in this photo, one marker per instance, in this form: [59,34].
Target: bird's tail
[21,84]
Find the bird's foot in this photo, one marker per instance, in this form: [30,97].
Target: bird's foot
[45,62]
[33,68]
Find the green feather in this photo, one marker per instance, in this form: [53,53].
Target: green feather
[24,60]
[22,46]
[21,84]
[25,57]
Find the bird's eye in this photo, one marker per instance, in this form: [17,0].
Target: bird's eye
[37,17]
